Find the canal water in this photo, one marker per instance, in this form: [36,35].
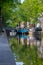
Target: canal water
[25,49]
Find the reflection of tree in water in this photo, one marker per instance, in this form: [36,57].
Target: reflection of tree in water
[29,55]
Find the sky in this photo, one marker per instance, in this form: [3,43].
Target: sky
[22,1]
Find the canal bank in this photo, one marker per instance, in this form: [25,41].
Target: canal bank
[6,57]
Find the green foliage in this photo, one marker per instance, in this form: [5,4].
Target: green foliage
[32,9]
[9,11]
[28,11]
[26,54]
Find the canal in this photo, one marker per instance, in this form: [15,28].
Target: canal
[25,49]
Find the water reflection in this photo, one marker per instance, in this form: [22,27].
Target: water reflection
[21,38]
[29,39]
[21,45]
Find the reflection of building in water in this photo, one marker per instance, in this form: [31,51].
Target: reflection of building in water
[40,49]
[28,41]
[22,25]
[28,24]
[41,46]
[25,39]
[37,37]
[22,40]
[31,37]
[41,21]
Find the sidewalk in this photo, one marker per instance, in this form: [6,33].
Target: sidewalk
[6,57]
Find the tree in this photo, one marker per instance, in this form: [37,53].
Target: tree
[31,9]
[9,10]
